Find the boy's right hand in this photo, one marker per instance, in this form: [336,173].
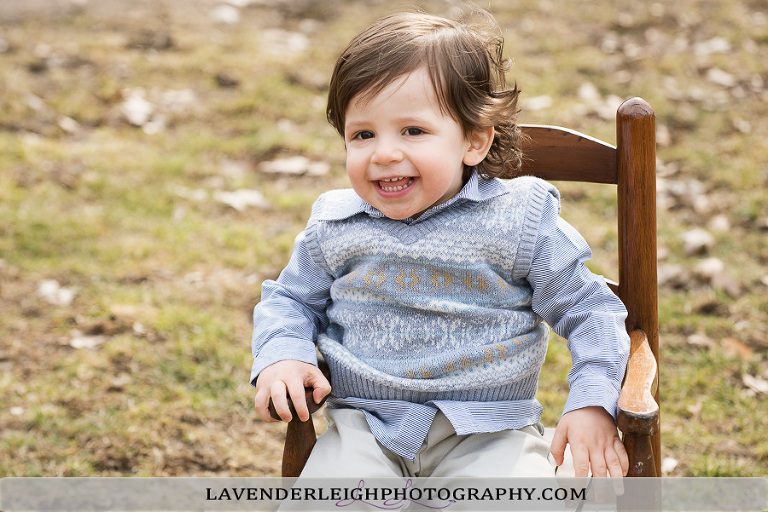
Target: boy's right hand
[288,378]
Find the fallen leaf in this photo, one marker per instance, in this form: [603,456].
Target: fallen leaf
[714,45]
[673,276]
[720,77]
[234,168]
[136,109]
[119,382]
[697,241]
[742,125]
[588,93]
[296,166]
[668,465]
[720,223]
[242,199]
[695,410]
[755,384]
[727,284]
[709,268]
[176,100]
[225,14]
[79,340]
[700,339]
[69,125]
[538,103]
[283,42]
[735,348]
[52,292]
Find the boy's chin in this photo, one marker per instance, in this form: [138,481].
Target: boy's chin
[399,213]
[396,216]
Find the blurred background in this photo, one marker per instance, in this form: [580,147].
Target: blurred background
[157,159]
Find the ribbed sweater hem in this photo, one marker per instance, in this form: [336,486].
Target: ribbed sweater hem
[351,377]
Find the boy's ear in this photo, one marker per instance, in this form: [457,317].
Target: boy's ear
[479,144]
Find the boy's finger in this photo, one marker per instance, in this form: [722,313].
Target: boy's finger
[618,485]
[606,490]
[320,386]
[319,394]
[557,448]
[580,462]
[598,465]
[613,462]
[262,408]
[280,401]
[614,466]
[623,458]
[299,399]
[615,469]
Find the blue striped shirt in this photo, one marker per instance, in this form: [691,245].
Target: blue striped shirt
[572,300]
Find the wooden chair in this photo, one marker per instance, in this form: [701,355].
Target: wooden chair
[559,154]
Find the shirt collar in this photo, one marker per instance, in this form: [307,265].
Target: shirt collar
[475,190]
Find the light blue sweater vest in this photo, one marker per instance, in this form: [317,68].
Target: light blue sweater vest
[435,310]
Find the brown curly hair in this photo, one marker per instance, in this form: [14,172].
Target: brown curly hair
[466,66]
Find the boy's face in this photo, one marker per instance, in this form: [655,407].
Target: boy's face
[404,155]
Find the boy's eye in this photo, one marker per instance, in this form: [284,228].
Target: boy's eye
[364,135]
[413,131]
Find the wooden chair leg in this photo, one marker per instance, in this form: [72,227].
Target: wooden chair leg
[644,493]
[644,462]
[300,438]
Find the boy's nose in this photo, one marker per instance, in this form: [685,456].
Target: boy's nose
[386,152]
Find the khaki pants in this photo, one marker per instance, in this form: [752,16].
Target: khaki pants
[348,449]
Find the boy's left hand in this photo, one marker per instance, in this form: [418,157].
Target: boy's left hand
[594,442]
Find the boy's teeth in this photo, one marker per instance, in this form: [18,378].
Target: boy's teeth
[396,187]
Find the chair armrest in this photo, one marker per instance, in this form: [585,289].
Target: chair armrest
[638,409]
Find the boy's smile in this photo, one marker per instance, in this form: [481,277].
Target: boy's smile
[395,184]
[404,153]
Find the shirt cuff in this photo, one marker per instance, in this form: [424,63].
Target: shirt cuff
[593,392]
[283,349]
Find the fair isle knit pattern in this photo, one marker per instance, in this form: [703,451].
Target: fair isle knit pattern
[435,310]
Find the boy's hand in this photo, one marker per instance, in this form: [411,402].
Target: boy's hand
[594,442]
[285,379]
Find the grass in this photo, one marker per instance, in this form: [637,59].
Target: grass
[165,276]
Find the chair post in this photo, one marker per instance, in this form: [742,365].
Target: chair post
[299,440]
[636,166]
[300,435]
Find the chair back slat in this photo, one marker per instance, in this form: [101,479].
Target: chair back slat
[559,154]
